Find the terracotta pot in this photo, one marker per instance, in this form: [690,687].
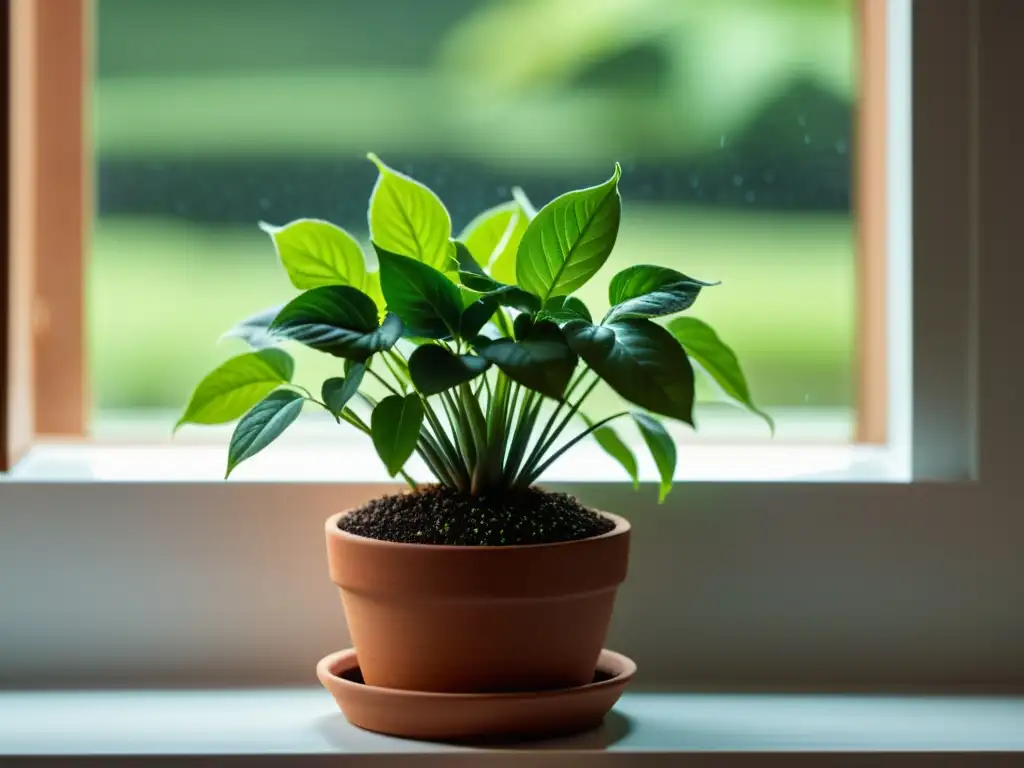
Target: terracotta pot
[461,619]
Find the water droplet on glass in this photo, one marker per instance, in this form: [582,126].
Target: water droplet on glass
[841,147]
[502,191]
[694,180]
[264,204]
[749,196]
[807,138]
[721,140]
[802,120]
[737,180]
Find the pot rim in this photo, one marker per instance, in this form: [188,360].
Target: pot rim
[622,526]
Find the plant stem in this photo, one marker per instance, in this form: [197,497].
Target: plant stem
[497,430]
[445,447]
[383,381]
[504,324]
[352,418]
[460,428]
[478,430]
[542,441]
[527,417]
[568,417]
[546,441]
[554,414]
[427,450]
[531,478]
[398,379]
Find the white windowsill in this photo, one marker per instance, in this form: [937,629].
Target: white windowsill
[809,446]
[305,722]
[69,462]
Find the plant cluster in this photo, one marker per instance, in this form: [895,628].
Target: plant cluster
[484,355]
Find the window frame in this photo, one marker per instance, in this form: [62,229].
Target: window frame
[804,585]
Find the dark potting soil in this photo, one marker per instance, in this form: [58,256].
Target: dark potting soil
[437,514]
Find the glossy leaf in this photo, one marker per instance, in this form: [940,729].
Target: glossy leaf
[434,369]
[562,309]
[263,424]
[316,253]
[336,392]
[528,208]
[339,320]
[236,385]
[542,361]
[522,326]
[428,303]
[371,287]
[395,428]
[493,238]
[615,447]
[662,448]
[640,361]
[466,262]
[407,218]
[476,315]
[569,240]
[254,329]
[648,291]
[473,277]
[717,359]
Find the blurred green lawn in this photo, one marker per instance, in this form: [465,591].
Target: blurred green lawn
[161,293]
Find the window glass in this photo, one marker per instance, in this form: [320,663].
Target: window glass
[732,120]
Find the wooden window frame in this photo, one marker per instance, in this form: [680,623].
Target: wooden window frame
[44,374]
[48,215]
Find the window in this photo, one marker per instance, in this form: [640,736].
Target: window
[802,582]
[734,121]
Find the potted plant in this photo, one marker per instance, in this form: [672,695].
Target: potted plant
[473,354]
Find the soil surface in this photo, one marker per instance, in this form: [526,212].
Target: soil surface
[437,514]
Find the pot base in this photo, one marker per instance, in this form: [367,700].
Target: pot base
[474,716]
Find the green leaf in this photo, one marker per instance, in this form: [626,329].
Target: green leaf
[475,279]
[434,369]
[339,320]
[236,385]
[395,428]
[336,392]
[569,240]
[467,262]
[522,326]
[476,315]
[562,309]
[428,303]
[717,359]
[408,219]
[640,360]
[648,291]
[253,330]
[371,287]
[493,238]
[519,195]
[615,447]
[542,361]
[662,448]
[316,253]
[263,424]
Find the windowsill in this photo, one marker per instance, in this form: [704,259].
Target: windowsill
[295,722]
[809,446]
[69,462]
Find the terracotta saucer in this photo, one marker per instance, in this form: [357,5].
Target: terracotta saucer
[469,716]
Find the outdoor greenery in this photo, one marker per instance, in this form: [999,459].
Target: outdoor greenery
[468,337]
